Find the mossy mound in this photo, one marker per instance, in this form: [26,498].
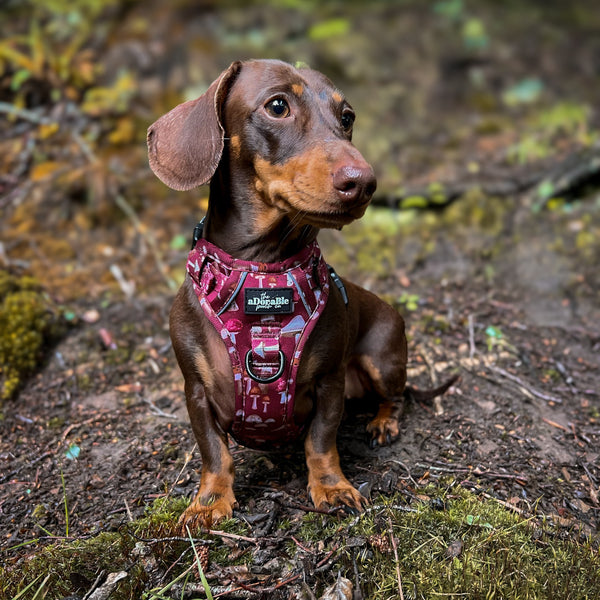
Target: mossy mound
[29,322]
[445,542]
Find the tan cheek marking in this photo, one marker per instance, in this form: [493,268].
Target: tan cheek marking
[337,97]
[298,89]
[263,219]
[310,170]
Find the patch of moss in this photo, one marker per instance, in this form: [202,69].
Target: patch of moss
[65,568]
[454,543]
[449,542]
[151,549]
[71,567]
[29,321]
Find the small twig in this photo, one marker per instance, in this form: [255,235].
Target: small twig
[157,411]
[250,589]
[30,463]
[25,114]
[323,562]
[555,424]
[377,507]
[188,458]
[84,147]
[307,509]
[472,471]
[301,545]
[233,536]
[405,467]
[128,510]
[508,505]
[74,425]
[524,385]
[396,560]
[282,583]
[96,584]
[147,236]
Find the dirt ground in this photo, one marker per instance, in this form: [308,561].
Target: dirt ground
[509,300]
[523,423]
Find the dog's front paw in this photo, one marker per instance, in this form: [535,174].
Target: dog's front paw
[199,515]
[339,495]
[384,430]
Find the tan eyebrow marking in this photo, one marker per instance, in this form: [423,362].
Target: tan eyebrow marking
[337,96]
[298,89]
[236,145]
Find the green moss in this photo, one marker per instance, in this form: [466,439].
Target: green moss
[71,567]
[28,322]
[61,564]
[146,548]
[501,555]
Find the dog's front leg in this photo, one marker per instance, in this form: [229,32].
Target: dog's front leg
[327,485]
[215,498]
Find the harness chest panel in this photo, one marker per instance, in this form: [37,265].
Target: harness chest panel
[264,313]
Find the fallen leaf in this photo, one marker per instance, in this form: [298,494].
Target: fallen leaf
[128,388]
[454,549]
[340,590]
[46,169]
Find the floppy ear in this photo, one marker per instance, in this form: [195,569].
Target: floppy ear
[186,144]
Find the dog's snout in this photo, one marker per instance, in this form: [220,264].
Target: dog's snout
[354,182]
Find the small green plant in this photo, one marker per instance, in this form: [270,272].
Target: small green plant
[494,337]
[562,119]
[53,54]
[410,301]
[65,502]
[205,585]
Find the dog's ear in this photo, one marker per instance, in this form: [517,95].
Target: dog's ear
[185,145]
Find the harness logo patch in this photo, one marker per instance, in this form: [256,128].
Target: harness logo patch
[269,301]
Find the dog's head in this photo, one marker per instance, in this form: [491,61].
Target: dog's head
[282,133]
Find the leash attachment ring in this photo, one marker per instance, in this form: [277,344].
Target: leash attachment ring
[265,379]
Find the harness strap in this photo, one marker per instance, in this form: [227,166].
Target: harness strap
[264,313]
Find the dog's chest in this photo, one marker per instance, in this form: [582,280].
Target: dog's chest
[264,313]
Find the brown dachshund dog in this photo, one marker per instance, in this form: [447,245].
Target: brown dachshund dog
[275,143]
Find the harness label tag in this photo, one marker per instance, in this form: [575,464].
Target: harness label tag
[268,301]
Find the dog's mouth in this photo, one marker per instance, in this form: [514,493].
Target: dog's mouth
[305,207]
[334,219]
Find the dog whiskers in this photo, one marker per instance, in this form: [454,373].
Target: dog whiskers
[292,225]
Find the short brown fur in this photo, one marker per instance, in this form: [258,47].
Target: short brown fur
[275,144]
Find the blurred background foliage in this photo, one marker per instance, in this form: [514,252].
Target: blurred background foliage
[455,99]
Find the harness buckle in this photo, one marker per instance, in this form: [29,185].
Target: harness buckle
[265,379]
[338,283]
[198,232]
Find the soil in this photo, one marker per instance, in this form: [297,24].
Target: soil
[508,300]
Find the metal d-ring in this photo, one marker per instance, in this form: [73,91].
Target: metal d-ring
[265,379]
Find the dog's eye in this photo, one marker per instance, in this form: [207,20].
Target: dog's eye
[278,108]
[347,120]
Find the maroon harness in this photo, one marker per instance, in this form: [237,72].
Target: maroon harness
[264,313]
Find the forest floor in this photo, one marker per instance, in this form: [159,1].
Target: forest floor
[502,290]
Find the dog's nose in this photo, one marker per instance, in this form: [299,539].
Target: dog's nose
[354,182]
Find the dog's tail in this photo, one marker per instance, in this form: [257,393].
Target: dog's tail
[415,395]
